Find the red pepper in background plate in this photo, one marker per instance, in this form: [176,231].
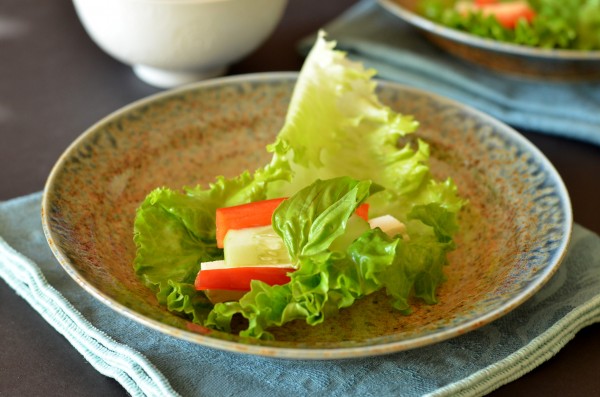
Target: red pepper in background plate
[507,13]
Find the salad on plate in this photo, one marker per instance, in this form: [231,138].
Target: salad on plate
[550,24]
[346,207]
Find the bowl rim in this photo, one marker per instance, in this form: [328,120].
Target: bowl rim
[318,353]
[177,2]
[485,43]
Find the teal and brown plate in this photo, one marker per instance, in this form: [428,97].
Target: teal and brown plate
[514,231]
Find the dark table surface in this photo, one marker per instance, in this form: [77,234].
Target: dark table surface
[54,83]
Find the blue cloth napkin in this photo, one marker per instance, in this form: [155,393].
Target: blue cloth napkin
[147,362]
[380,40]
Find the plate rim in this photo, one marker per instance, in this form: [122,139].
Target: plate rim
[317,353]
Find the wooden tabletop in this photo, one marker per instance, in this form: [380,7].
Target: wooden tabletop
[54,83]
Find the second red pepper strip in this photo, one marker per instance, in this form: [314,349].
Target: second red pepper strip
[238,278]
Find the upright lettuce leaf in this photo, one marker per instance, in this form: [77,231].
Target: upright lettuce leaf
[337,126]
[338,146]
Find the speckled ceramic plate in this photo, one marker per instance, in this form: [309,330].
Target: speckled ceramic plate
[514,232]
[516,60]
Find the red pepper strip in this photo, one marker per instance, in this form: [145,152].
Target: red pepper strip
[507,13]
[244,216]
[363,211]
[238,278]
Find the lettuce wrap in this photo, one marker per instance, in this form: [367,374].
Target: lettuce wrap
[337,149]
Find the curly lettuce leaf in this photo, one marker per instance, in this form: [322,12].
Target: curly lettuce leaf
[172,233]
[175,231]
[329,280]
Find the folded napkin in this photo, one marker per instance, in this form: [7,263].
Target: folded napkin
[380,40]
[147,362]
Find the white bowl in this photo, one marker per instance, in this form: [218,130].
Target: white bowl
[174,42]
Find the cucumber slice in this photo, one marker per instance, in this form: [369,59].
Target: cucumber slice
[254,246]
[354,228]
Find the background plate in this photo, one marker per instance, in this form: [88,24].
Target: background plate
[516,60]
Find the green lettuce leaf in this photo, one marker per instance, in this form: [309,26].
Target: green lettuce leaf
[313,218]
[336,126]
[175,231]
[172,233]
[327,280]
[308,222]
